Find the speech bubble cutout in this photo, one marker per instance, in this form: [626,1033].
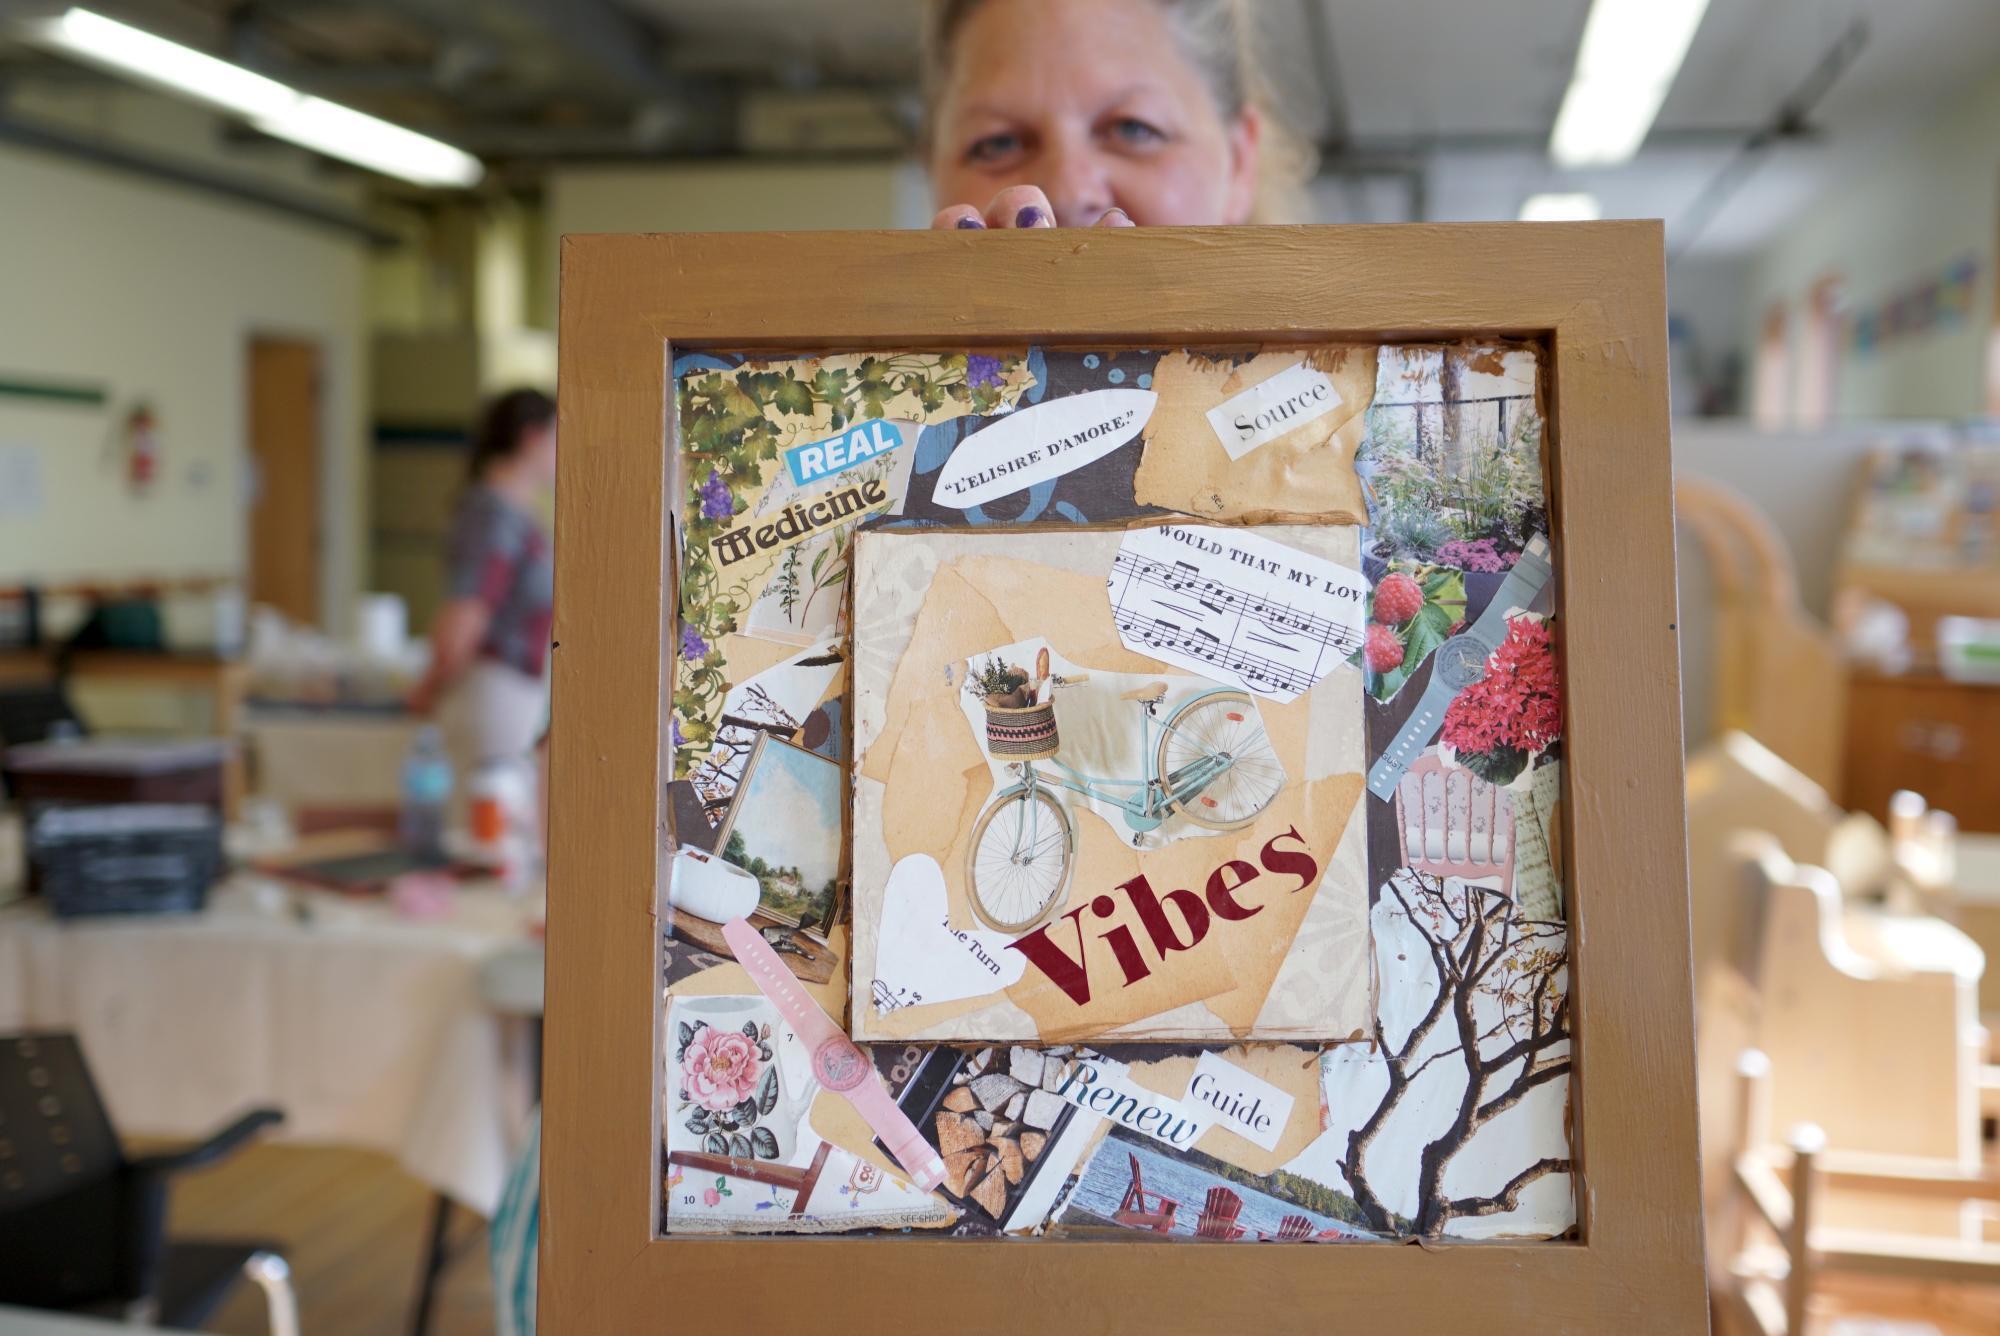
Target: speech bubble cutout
[920,958]
[1041,442]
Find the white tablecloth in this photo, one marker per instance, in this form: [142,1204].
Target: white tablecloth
[365,1027]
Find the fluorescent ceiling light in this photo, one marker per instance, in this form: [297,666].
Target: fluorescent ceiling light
[274,108]
[1579,207]
[1631,51]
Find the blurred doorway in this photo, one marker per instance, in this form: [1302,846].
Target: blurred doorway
[284,461]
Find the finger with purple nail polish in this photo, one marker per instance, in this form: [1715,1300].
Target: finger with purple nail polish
[1031,216]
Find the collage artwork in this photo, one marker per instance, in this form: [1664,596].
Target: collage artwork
[1114,794]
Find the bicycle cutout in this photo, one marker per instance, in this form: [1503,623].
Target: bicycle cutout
[1212,763]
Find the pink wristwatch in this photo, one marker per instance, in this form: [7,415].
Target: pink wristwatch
[837,1062]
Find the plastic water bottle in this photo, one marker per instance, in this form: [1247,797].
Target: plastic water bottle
[426,790]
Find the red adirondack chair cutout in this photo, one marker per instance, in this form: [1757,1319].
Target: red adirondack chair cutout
[1292,1229]
[1135,1211]
[1218,1217]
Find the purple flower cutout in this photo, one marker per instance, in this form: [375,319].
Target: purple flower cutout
[679,741]
[716,502]
[692,645]
[982,370]
[1479,555]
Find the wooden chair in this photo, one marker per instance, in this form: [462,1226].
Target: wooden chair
[1779,674]
[1788,1249]
[1218,1216]
[1869,1017]
[1868,1020]
[1736,786]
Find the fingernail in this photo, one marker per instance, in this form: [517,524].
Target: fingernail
[1029,217]
[971,222]
[1116,216]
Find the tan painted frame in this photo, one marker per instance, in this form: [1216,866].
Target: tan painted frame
[1594,293]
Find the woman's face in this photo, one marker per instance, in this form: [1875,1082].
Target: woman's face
[1094,102]
[538,452]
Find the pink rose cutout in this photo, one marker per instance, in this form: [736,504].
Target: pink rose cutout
[722,1069]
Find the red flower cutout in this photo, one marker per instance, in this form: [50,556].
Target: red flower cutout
[1499,723]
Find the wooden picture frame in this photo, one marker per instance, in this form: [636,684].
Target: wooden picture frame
[1591,294]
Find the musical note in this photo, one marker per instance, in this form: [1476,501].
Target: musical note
[1271,617]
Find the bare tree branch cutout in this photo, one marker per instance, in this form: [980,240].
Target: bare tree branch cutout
[1482,961]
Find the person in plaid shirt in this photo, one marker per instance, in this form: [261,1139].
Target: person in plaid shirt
[490,639]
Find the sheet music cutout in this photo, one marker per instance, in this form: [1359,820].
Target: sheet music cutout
[1235,606]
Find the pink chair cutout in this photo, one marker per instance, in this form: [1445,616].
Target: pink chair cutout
[1463,826]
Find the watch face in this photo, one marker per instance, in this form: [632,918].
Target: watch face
[838,1064]
[1461,661]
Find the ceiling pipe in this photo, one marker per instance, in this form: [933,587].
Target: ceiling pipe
[104,153]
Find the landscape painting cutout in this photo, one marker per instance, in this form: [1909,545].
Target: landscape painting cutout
[1132,760]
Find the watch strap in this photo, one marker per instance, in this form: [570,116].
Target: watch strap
[837,1062]
[1411,739]
[1530,571]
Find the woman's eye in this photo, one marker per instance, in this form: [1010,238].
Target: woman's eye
[993,148]
[1130,130]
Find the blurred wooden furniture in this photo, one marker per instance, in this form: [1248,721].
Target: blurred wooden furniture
[1924,732]
[1869,1017]
[1926,594]
[221,680]
[1975,907]
[1779,675]
[1736,786]
[1869,1021]
[1790,1250]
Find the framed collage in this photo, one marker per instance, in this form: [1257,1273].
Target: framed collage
[1079,754]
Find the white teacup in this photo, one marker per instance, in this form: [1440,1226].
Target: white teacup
[704,885]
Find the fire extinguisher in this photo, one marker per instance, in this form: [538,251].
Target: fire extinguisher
[142,448]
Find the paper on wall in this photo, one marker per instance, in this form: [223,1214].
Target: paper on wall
[20,480]
[1236,606]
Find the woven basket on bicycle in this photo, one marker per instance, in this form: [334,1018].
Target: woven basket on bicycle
[1022,733]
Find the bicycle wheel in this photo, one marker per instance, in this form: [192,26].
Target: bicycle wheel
[1223,725]
[1018,865]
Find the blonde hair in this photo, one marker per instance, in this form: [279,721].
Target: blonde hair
[1218,39]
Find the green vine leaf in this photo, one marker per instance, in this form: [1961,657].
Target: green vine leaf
[793,396]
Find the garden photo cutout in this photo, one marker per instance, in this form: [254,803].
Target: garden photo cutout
[1115,793]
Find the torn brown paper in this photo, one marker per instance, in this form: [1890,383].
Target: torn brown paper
[1306,474]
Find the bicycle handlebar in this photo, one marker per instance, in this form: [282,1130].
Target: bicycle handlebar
[1073,679]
